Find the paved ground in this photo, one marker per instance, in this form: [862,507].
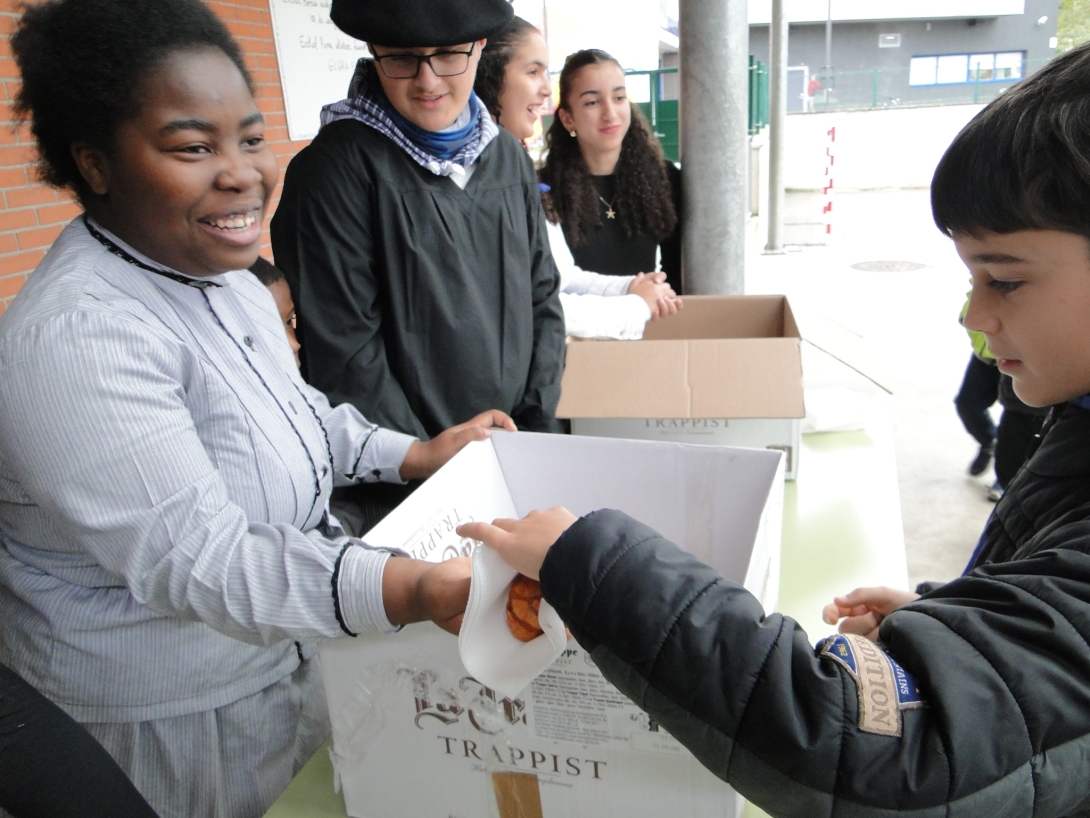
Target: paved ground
[910,321]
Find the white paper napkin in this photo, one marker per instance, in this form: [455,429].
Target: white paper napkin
[489,650]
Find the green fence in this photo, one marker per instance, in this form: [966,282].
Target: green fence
[758,95]
[662,108]
[841,90]
[891,87]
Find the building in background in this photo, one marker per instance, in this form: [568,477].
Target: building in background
[908,52]
[884,52]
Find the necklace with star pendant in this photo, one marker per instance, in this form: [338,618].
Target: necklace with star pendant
[610,212]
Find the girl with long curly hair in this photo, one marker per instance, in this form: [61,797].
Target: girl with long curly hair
[513,83]
[610,188]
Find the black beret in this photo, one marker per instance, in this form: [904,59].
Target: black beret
[420,23]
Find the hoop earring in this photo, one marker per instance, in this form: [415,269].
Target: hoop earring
[572,132]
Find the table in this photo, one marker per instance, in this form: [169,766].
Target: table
[842,529]
[842,526]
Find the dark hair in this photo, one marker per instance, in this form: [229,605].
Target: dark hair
[1023,163]
[82,62]
[644,202]
[266,272]
[492,68]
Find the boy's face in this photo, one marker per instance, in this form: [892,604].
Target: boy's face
[1031,299]
[429,101]
[282,294]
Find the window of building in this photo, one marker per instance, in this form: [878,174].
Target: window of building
[981,67]
[950,69]
[1008,66]
[922,70]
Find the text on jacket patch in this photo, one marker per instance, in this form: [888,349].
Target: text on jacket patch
[885,688]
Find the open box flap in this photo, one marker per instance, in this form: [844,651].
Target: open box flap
[626,379]
[683,379]
[722,356]
[710,500]
[705,316]
[841,343]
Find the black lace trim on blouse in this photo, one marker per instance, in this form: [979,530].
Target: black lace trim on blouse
[122,254]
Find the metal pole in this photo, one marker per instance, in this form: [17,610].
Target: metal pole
[828,41]
[714,143]
[777,121]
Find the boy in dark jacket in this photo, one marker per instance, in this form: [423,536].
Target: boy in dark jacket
[974,699]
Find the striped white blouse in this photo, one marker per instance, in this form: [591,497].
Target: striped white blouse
[164,481]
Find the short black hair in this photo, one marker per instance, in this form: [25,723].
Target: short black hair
[267,272]
[82,62]
[492,68]
[1023,163]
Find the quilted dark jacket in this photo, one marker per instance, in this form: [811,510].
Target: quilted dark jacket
[1000,659]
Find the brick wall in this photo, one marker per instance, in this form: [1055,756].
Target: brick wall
[32,215]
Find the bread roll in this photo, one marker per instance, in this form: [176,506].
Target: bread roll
[523,603]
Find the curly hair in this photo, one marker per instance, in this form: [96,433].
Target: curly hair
[644,202]
[492,69]
[82,63]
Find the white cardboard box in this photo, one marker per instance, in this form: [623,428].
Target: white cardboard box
[414,736]
[725,371]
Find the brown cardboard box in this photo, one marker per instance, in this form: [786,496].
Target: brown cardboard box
[724,371]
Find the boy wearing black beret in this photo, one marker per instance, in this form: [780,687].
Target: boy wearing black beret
[412,233]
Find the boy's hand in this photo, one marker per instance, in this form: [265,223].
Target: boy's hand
[659,296]
[424,459]
[522,544]
[864,609]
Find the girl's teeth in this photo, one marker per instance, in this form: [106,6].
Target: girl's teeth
[235,222]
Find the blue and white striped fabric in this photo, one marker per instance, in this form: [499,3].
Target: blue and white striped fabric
[164,483]
[367,110]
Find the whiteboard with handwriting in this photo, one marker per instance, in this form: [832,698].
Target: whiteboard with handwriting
[316,61]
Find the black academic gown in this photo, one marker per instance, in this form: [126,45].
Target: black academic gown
[421,303]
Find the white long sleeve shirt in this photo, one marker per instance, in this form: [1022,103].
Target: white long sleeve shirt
[164,481]
[595,305]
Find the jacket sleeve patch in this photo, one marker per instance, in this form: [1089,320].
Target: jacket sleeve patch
[884,687]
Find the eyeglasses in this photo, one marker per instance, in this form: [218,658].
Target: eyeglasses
[442,64]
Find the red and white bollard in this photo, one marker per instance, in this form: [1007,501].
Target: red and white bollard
[827,210]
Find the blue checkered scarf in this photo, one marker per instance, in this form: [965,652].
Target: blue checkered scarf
[371,107]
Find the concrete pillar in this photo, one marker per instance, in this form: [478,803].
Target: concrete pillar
[714,143]
[777,122]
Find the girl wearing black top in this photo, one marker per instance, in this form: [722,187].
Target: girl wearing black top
[611,190]
[513,83]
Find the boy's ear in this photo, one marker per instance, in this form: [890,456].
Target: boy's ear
[94,166]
